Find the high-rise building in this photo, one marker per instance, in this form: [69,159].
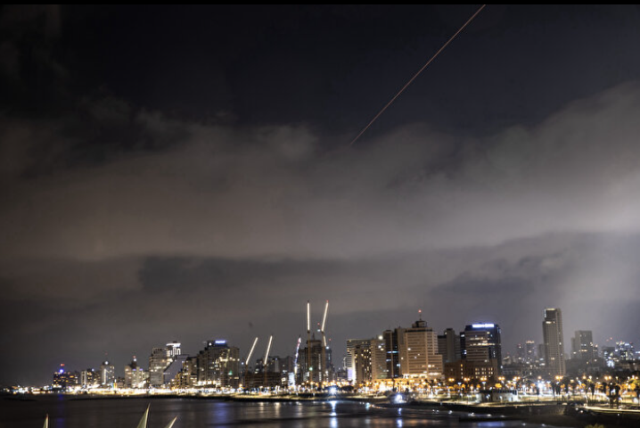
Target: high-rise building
[419,352]
[378,359]
[553,342]
[349,359]
[449,346]
[89,378]
[393,342]
[367,359]
[158,362]
[63,378]
[362,362]
[530,351]
[107,374]
[481,345]
[188,376]
[134,375]
[582,347]
[219,365]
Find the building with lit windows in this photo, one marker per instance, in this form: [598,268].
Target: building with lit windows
[107,374]
[378,359]
[219,365]
[63,378]
[349,359]
[393,342]
[134,375]
[419,356]
[89,378]
[553,343]
[158,362]
[481,345]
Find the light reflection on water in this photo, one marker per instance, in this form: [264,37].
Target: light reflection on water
[202,413]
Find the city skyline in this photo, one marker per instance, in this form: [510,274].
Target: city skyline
[185,173]
[479,345]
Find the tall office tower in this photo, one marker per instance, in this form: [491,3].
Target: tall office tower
[350,361]
[530,351]
[553,342]
[582,346]
[449,346]
[219,365]
[378,359]
[481,345]
[134,375]
[362,362]
[419,352]
[128,372]
[158,361]
[107,374]
[393,342]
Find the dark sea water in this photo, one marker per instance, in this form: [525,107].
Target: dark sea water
[65,412]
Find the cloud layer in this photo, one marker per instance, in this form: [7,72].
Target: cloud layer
[198,229]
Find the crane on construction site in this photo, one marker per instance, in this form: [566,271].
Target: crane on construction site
[323,373]
[266,361]
[246,364]
[295,361]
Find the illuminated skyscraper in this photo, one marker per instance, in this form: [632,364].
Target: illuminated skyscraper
[362,362]
[553,342]
[419,352]
[393,342]
[219,365]
[481,343]
[158,361]
[350,358]
[134,375]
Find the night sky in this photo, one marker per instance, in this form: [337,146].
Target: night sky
[184,173]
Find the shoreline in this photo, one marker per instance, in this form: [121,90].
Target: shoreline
[552,414]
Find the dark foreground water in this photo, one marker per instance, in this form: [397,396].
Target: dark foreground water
[67,412]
